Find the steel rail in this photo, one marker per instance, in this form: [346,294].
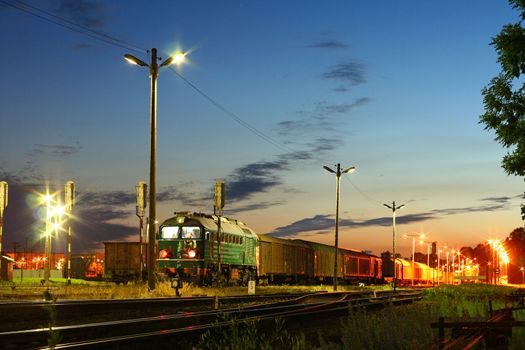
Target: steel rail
[303,307]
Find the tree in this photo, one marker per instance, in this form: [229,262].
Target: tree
[504,97]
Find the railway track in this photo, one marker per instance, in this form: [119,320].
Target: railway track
[34,314]
[171,328]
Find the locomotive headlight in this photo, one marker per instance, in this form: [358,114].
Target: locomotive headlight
[164,254]
[191,253]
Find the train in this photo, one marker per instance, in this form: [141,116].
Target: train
[207,249]
[417,274]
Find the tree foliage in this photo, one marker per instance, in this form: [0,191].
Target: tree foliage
[504,96]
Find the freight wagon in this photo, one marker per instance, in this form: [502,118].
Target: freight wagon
[123,262]
[87,266]
[284,261]
[353,266]
[419,274]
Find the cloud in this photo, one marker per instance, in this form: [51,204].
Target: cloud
[324,117]
[341,89]
[89,237]
[55,150]
[324,145]
[328,44]
[254,178]
[83,46]
[321,223]
[112,198]
[347,72]
[494,204]
[87,13]
[103,214]
[251,207]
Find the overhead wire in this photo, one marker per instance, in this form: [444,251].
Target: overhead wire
[70,25]
[236,118]
[111,40]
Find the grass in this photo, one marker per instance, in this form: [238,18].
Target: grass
[81,289]
[408,327]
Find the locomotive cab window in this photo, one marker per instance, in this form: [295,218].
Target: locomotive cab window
[169,232]
[191,232]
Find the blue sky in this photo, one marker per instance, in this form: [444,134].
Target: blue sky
[390,88]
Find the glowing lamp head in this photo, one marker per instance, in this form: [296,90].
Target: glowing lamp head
[177,59]
[191,253]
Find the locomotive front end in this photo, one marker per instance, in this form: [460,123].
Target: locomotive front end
[181,249]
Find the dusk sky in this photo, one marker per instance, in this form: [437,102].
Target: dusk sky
[271,92]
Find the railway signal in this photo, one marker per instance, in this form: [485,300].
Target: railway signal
[141,190]
[219,197]
[3,205]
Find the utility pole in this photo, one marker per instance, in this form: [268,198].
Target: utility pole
[338,174]
[151,229]
[69,201]
[393,207]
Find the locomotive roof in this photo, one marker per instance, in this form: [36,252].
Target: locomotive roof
[210,222]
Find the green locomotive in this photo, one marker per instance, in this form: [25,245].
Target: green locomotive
[205,249]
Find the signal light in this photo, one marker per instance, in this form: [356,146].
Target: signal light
[165,254]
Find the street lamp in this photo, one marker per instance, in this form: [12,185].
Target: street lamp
[394,208]
[428,250]
[338,174]
[413,252]
[522,275]
[154,72]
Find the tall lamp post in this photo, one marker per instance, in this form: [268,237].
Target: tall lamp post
[47,262]
[393,207]
[69,203]
[338,172]
[413,252]
[428,250]
[153,73]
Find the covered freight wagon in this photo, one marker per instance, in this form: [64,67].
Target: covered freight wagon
[123,261]
[284,260]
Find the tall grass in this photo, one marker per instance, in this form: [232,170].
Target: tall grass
[408,327]
[252,336]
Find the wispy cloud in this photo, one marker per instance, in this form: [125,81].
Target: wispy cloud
[328,44]
[350,72]
[323,118]
[55,150]
[112,198]
[87,13]
[251,207]
[321,223]
[254,178]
